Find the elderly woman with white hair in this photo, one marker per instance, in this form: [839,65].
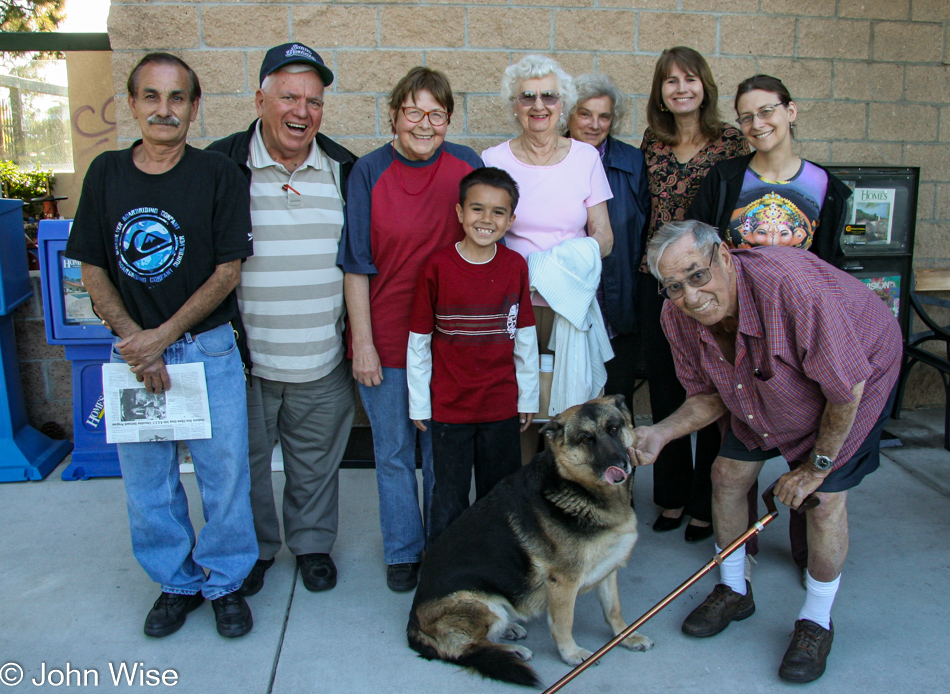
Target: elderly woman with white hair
[564,193]
[595,119]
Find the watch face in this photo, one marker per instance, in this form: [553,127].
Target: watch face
[823,462]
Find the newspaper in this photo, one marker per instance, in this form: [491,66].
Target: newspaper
[134,415]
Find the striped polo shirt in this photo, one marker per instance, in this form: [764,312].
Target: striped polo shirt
[291,291]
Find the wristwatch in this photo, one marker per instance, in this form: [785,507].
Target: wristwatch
[822,463]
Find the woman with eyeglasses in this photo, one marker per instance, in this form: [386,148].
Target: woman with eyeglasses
[685,139]
[773,197]
[564,193]
[400,209]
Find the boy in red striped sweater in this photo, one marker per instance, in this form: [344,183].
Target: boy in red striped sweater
[472,360]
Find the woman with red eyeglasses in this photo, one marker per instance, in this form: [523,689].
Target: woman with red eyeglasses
[400,208]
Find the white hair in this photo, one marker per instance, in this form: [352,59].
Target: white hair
[594,85]
[704,235]
[292,68]
[533,67]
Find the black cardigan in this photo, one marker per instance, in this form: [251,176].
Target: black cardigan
[719,193]
[237,147]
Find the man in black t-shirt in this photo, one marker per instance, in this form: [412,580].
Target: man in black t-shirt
[161,231]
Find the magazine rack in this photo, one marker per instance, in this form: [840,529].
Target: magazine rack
[878,239]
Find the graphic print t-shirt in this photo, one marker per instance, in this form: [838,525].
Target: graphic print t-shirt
[160,236]
[779,213]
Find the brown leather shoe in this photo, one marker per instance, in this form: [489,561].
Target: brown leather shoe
[721,606]
[807,654]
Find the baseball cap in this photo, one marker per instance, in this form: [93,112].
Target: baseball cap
[288,53]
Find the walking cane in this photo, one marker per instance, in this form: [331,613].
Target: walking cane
[768,496]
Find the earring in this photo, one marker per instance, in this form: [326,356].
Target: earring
[663,107]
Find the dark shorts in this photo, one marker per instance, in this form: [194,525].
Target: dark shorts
[864,461]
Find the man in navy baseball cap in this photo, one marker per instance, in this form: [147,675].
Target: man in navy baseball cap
[288,53]
[299,389]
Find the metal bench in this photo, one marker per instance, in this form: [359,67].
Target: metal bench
[914,347]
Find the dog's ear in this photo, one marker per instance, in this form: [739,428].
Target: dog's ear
[619,401]
[553,429]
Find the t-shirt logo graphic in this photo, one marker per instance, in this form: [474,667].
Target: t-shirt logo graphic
[512,324]
[147,246]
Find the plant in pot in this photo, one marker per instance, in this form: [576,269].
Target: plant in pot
[35,188]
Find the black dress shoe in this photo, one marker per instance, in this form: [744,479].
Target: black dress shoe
[255,580]
[402,578]
[698,533]
[317,571]
[232,615]
[169,612]
[664,523]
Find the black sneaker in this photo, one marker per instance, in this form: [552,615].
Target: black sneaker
[232,615]
[169,612]
[317,571]
[722,606]
[255,580]
[807,654]
[402,578]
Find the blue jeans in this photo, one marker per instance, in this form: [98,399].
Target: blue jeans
[163,538]
[394,443]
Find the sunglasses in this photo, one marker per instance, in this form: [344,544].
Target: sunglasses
[415,115]
[699,278]
[763,113]
[528,99]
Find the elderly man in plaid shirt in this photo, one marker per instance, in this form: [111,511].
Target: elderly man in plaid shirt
[802,359]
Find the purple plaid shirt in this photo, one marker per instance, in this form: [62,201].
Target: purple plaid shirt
[808,333]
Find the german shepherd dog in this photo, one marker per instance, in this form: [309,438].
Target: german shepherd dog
[558,527]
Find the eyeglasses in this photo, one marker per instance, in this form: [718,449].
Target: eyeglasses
[528,99]
[698,278]
[415,115]
[763,113]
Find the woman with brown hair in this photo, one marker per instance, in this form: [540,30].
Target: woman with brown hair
[685,138]
[400,209]
[773,197]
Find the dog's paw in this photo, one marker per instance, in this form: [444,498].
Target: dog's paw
[521,652]
[637,642]
[515,632]
[576,657]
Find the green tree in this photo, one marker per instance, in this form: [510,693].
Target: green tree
[31,15]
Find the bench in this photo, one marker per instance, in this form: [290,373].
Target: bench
[914,348]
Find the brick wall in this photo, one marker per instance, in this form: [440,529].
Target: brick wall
[871,77]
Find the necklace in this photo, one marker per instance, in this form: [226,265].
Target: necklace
[425,184]
[530,155]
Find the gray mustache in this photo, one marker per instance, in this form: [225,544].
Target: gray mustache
[163,120]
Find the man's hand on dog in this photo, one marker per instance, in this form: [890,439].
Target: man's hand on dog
[650,441]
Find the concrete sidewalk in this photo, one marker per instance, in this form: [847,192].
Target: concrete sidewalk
[73,598]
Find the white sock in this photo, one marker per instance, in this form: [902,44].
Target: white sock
[732,570]
[818,600]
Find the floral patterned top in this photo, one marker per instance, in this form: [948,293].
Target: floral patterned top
[674,185]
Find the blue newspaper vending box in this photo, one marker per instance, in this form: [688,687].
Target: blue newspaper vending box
[71,322]
[25,453]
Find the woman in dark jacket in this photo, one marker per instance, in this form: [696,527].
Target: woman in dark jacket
[773,197]
[598,113]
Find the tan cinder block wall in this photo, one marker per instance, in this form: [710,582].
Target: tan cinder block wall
[871,77]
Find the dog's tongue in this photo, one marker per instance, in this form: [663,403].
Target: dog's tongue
[615,475]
